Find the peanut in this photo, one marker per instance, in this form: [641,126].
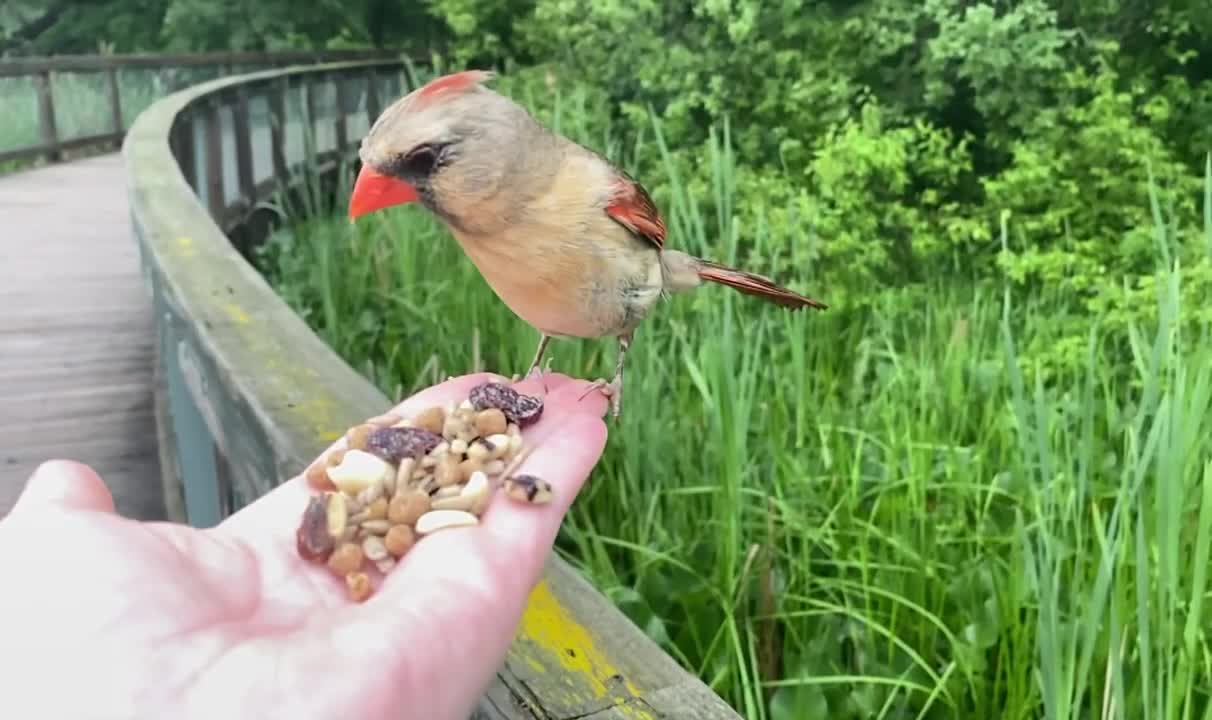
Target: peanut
[407,507]
[490,422]
[399,540]
[431,419]
[358,586]
[345,559]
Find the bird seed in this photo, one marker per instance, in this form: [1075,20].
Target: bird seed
[345,559]
[397,479]
[529,489]
[358,586]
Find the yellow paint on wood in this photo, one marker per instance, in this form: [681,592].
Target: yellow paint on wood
[237,314]
[553,629]
[317,412]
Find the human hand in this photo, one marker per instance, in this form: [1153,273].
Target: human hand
[105,617]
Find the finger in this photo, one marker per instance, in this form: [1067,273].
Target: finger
[510,544]
[460,592]
[287,499]
[64,484]
[280,508]
[564,452]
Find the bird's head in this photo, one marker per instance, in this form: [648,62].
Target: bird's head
[448,145]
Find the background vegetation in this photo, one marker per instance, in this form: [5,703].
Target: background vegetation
[980,485]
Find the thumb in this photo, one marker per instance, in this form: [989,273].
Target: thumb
[68,484]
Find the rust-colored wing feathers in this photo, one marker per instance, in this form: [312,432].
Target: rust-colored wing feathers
[631,206]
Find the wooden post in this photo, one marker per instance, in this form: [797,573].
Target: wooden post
[115,101]
[372,97]
[278,91]
[310,145]
[193,439]
[244,158]
[46,116]
[184,150]
[215,201]
[341,100]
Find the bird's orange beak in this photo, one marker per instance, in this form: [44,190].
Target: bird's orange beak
[375,191]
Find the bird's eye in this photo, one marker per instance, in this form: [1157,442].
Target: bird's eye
[421,160]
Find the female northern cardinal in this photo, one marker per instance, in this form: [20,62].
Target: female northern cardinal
[573,245]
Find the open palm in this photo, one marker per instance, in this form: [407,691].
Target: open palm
[105,617]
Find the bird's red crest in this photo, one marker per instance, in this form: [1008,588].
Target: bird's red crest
[452,84]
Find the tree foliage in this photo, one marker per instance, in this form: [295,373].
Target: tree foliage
[883,142]
[85,26]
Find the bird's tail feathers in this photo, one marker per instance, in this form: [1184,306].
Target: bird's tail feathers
[752,284]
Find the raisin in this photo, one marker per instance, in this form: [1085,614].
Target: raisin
[492,395]
[518,408]
[526,411]
[312,540]
[393,444]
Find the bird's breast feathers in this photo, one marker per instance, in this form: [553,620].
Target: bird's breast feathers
[577,278]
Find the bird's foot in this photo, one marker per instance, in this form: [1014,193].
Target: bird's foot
[612,390]
[535,371]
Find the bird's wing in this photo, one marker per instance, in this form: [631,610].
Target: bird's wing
[631,206]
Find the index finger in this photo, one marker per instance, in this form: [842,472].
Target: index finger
[277,511]
[274,516]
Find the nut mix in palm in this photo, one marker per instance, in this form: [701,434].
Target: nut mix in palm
[400,479]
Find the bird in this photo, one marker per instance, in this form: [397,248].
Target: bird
[572,244]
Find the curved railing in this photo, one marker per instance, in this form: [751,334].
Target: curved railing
[252,394]
[102,91]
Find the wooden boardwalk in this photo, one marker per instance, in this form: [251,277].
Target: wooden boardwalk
[76,334]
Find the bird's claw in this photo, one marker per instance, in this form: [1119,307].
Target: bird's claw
[536,371]
[613,390]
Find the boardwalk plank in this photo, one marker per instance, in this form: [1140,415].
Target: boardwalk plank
[76,334]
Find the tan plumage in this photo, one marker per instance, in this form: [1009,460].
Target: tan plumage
[570,243]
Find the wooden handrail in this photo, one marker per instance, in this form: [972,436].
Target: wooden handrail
[10,67]
[42,70]
[253,394]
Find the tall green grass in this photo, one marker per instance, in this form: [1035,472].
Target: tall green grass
[861,513]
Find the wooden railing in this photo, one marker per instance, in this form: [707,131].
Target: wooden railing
[253,394]
[166,69]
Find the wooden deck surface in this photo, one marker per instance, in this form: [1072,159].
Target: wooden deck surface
[76,334]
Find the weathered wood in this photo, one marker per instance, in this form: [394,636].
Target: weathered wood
[47,127]
[310,141]
[213,152]
[53,149]
[341,121]
[170,476]
[10,67]
[271,395]
[76,332]
[182,142]
[56,150]
[115,100]
[277,124]
[244,153]
[372,96]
